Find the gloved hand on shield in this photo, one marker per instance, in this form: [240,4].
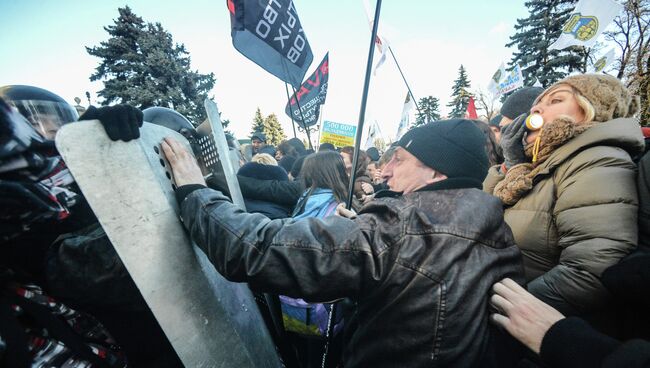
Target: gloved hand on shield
[121,122]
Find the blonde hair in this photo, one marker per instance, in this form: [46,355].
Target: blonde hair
[582,101]
[264,159]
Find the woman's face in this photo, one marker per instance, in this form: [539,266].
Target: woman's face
[347,160]
[561,101]
[278,155]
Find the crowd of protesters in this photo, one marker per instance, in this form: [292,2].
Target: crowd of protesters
[467,244]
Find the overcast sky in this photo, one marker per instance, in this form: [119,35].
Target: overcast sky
[43,45]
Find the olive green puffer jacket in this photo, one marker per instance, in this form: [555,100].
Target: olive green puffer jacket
[580,217]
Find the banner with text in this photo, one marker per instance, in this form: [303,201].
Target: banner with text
[269,33]
[310,96]
[338,134]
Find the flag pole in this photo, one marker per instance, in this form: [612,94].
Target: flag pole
[320,124]
[362,112]
[293,124]
[404,78]
[295,93]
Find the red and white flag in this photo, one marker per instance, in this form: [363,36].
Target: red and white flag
[381,43]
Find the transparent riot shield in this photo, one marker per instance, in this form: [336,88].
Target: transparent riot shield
[209,321]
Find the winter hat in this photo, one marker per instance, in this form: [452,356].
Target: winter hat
[520,102]
[298,145]
[373,153]
[268,149]
[260,136]
[454,147]
[607,95]
[495,121]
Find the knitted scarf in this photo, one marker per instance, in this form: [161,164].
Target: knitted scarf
[519,178]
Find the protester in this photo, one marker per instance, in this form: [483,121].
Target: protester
[569,186]
[361,174]
[326,147]
[286,155]
[298,146]
[258,140]
[373,154]
[519,102]
[495,128]
[324,176]
[492,147]
[559,341]
[264,167]
[419,264]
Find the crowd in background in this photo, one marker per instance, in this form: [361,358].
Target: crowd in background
[575,196]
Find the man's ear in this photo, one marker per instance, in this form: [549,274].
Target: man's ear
[435,177]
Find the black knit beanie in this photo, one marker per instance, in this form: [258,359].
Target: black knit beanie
[454,147]
[520,102]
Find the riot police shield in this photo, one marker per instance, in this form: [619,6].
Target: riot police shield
[209,321]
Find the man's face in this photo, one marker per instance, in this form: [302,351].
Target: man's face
[257,144]
[405,173]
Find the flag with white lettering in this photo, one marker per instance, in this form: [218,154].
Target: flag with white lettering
[587,21]
[504,81]
[270,34]
[307,100]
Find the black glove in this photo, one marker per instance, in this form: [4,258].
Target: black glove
[121,122]
[512,142]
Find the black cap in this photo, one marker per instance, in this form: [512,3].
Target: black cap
[495,121]
[520,102]
[454,147]
[260,136]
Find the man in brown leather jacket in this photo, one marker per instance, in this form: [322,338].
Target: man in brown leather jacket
[419,262]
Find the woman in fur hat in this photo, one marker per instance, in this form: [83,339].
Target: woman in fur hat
[569,189]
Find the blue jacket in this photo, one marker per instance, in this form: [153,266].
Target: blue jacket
[318,203]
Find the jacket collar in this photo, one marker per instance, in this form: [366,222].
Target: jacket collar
[450,183]
[624,133]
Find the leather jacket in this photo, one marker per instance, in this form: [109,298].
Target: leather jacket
[419,266]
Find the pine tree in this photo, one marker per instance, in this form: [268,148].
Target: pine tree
[535,34]
[258,122]
[142,66]
[460,95]
[429,111]
[273,130]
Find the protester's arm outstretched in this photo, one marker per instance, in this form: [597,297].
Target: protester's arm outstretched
[314,259]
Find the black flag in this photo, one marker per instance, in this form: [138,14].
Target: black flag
[310,96]
[269,33]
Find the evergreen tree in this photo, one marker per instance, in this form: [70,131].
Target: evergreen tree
[273,130]
[142,66]
[429,111]
[460,95]
[258,122]
[535,34]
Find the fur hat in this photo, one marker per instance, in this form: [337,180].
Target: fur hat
[607,95]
